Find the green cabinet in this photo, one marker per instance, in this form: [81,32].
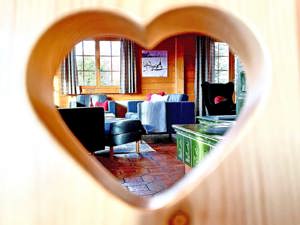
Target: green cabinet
[195,141]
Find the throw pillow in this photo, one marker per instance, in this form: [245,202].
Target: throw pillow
[148,97]
[219,99]
[157,98]
[102,104]
[162,93]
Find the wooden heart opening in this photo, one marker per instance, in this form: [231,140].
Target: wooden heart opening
[57,41]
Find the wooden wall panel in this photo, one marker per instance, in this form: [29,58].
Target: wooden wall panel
[181,69]
[179,57]
[152,84]
[189,64]
[179,65]
[48,178]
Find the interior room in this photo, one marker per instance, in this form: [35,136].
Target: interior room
[150,115]
[64,160]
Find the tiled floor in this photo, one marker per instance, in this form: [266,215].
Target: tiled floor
[148,173]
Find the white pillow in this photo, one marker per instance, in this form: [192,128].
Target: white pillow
[157,98]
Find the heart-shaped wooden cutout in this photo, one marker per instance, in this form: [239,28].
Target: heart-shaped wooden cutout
[57,41]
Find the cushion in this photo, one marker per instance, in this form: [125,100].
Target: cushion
[177,97]
[98,98]
[157,98]
[132,115]
[83,100]
[148,97]
[218,99]
[102,104]
[162,93]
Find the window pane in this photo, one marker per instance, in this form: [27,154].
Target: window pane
[223,49]
[89,63]
[105,63]
[105,48]
[115,78]
[216,63]
[90,78]
[115,48]
[223,76]
[216,49]
[79,62]
[223,63]
[105,78]
[80,78]
[78,48]
[116,63]
[89,47]
[216,77]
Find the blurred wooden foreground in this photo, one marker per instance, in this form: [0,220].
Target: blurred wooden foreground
[47,177]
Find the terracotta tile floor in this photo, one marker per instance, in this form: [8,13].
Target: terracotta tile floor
[148,173]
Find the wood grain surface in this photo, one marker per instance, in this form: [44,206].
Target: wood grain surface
[47,177]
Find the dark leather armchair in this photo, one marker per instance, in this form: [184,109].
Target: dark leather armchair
[87,124]
[211,90]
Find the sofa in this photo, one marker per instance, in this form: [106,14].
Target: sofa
[95,100]
[176,110]
[132,109]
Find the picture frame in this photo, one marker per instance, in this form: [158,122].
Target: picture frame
[154,63]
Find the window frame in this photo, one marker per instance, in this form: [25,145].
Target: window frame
[83,55]
[231,63]
[99,87]
[111,56]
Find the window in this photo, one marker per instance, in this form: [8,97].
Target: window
[109,63]
[86,64]
[98,65]
[221,62]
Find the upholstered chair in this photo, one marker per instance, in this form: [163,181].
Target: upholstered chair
[217,98]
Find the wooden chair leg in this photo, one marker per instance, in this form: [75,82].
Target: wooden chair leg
[137,147]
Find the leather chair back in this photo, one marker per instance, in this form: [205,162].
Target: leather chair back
[87,124]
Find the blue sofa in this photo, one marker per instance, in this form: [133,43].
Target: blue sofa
[178,111]
[85,101]
[132,109]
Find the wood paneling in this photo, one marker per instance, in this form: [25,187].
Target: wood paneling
[181,69]
[155,84]
[47,177]
[180,55]
[189,64]
[179,65]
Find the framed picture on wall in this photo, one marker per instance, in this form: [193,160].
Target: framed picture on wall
[154,63]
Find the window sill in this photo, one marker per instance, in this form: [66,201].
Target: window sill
[101,89]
